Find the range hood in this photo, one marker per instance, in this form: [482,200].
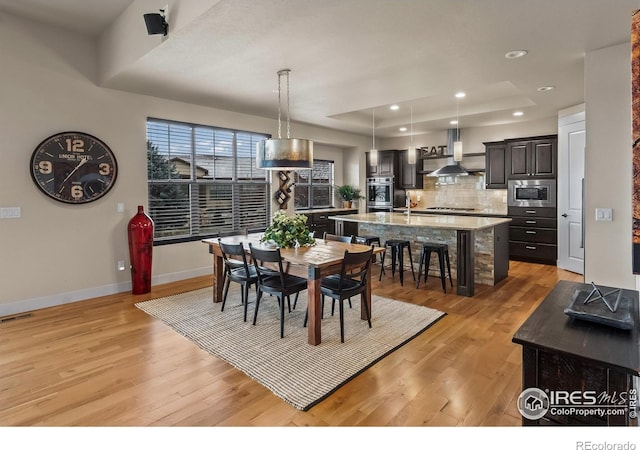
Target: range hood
[453,168]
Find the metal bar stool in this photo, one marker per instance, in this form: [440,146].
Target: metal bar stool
[397,247]
[442,250]
[370,240]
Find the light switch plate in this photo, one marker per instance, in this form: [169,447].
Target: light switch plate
[604,214]
[13,212]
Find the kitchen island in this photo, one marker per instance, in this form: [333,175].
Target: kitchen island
[481,243]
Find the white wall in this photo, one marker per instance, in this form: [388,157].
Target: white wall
[608,171]
[58,253]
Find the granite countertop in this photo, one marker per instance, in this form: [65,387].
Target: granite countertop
[325,210]
[475,212]
[425,220]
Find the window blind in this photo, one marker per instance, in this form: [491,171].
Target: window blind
[203,180]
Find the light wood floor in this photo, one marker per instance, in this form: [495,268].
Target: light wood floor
[104,362]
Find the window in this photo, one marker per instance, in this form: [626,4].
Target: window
[203,180]
[314,188]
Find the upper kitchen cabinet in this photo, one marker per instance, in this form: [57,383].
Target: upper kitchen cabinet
[408,176]
[532,157]
[387,164]
[496,165]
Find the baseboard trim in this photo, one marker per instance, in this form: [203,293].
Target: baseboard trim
[32,304]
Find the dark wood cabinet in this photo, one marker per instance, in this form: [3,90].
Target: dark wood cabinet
[319,222]
[532,157]
[533,235]
[408,176]
[495,165]
[387,164]
[573,357]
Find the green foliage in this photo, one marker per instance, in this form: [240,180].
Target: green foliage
[287,231]
[160,168]
[348,193]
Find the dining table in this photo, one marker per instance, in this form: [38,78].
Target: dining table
[312,262]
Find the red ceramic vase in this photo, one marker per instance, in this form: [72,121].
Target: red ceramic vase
[140,251]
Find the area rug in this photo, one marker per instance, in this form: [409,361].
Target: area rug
[300,374]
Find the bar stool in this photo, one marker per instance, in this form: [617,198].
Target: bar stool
[442,250]
[397,247]
[370,240]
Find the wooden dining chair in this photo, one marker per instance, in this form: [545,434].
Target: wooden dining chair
[335,237]
[351,281]
[274,281]
[237,269]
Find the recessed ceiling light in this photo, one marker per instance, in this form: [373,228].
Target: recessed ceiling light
[394,107]
[460,95]
[403,128]
[545,88]
[454,122]
[518,113]
[515,54]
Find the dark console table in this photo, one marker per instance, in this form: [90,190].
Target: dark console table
[560,353]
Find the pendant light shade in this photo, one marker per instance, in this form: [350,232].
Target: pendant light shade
[457,144]
[281,153]
[457,151]
[373,157]
[373,153]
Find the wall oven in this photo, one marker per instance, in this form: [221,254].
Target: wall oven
[532,193]
[380,194]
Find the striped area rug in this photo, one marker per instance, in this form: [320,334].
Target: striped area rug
[300,374]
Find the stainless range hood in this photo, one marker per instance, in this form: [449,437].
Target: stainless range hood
[453,168]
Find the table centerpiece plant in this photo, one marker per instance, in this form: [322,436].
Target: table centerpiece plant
[348,194]
[288,231]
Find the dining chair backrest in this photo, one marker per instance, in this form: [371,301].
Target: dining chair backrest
[334,237]
[262,256]
[231,250]
[356,266]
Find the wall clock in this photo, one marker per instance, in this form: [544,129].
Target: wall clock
[73,167]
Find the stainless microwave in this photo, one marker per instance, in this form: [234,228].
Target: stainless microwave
[532,193]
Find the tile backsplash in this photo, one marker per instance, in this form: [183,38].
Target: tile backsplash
[460,192]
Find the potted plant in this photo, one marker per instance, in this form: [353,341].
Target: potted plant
[347,194]
[288,231]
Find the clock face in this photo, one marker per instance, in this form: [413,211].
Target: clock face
[73,167]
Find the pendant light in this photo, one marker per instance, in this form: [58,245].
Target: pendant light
[411,152]
[284,154]
[454,169]
[457,144]
[373,154]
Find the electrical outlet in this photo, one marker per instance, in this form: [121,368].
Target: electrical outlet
[120,207]
[121,265]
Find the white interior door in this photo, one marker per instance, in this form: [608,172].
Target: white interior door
[571,147]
